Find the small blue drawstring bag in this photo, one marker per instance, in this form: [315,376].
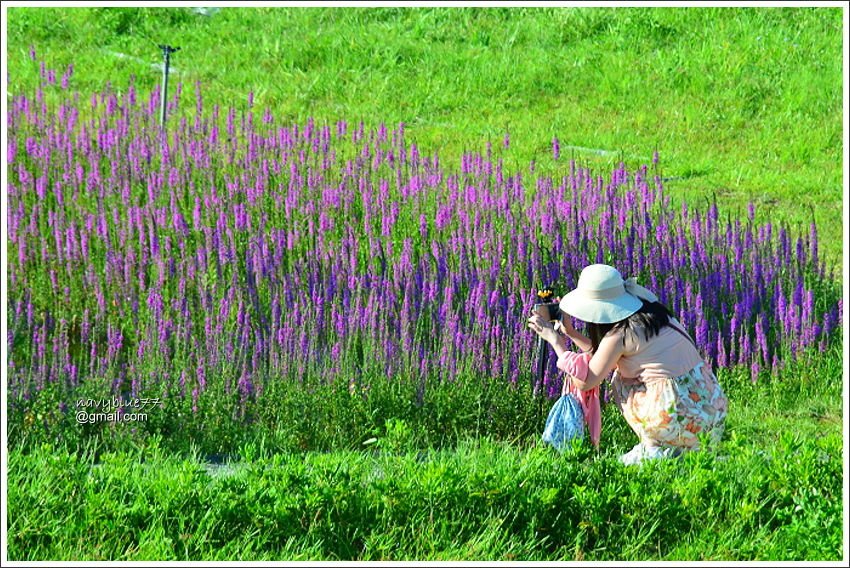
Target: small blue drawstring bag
[564,423]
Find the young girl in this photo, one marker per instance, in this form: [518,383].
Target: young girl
[668,394]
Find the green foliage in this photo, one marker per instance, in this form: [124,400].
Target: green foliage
[771,491]
[293,417]
[480,499]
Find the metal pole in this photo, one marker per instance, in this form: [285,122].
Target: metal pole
[543,296]
[167,50]
[542,359]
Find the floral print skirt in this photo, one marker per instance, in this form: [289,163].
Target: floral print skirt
[673,412]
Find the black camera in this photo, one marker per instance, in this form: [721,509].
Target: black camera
[548,311]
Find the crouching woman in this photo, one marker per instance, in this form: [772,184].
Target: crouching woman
[667,393]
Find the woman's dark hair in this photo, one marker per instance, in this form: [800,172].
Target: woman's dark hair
[650,318]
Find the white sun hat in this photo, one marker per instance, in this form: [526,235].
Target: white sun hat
[602,296]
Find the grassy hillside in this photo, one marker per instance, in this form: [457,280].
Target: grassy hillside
[741,103]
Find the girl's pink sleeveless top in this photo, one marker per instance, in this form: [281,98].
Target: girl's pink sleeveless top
[666,355]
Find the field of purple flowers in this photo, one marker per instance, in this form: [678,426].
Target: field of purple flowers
[235,255]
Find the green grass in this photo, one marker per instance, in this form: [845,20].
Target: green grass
[741,103]
[772,492]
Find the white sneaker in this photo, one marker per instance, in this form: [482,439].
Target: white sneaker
[641,453]
[633,457]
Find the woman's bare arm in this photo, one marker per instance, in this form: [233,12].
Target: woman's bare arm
[566,325]
[577,337]
[602,363]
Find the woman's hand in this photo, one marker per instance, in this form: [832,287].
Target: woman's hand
[543,328]
[567,325]
[565,322]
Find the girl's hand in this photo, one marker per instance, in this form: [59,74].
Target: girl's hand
[566,321]
[543,329]
[567,325]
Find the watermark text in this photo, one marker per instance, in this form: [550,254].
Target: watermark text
[115,409]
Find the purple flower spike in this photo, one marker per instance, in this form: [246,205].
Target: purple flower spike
[242,252]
